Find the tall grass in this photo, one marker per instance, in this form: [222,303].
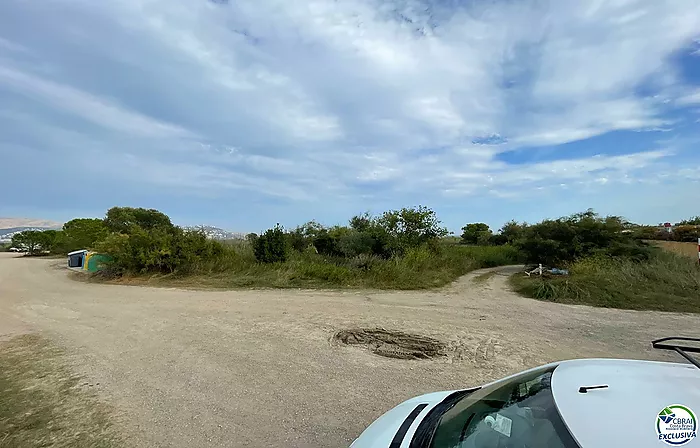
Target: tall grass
[686,249]
[666,282]
[419,268]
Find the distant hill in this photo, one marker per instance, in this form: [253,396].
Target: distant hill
[8,223]
[10,226]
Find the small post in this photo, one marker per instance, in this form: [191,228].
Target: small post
[540,267]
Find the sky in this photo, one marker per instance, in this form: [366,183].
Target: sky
[245,113]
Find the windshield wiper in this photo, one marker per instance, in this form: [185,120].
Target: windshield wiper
[682,350]
[426,430]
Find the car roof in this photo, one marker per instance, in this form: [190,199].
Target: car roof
[624,413]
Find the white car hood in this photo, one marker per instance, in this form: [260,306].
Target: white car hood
[382,431]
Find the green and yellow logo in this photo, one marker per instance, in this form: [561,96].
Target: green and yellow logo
[676,425]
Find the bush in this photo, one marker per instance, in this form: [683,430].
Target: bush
[124,219]
[492,256]
[35,242]
[354,244]
[694,221]
[409,228]
[81,233]
[158,251]
[476,233]
[686,233]
[271,246]
[327,244]
[565,240]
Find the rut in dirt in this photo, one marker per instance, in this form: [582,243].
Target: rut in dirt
[393,344]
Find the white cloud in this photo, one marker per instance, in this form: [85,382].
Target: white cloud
[89,107]
[325,98]
[690,98]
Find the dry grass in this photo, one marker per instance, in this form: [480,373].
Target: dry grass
[420,268]
[42,403]
[687,249]
[666,282]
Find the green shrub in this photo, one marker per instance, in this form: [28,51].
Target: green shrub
[354,244]
[408,228]
[271,246]
[694,221]
[35,242]
[492,256]
[565,240]
[158,251]
[327,244]
[686,233]
[124,219]
[364,262]
[476,233]
[81,233]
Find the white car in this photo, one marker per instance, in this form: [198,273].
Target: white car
[579,403]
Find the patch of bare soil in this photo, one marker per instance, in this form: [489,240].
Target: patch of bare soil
[261,368]
[393,344]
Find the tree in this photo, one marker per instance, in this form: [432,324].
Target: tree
[304,235]
[271,246]
[34,241]
[512,230]
[158,250]
[362,222]
[564,240]
[686,233]
[81,233]
[411,227]
[695,221]
[476,233]
[124,219]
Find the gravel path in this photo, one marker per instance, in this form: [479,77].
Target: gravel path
[259,367]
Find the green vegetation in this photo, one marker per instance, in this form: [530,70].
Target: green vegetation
[35,242]
[565,240]
[272,246]
[398,249]
[664,282]
[694,221]
[43,404]
[476,233]
[80,233]
[419,268]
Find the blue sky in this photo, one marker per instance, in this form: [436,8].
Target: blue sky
[242,114]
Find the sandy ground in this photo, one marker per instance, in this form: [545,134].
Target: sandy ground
[259,368]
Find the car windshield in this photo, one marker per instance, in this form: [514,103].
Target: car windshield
[515,413]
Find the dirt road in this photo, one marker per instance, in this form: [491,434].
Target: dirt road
[258,368]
